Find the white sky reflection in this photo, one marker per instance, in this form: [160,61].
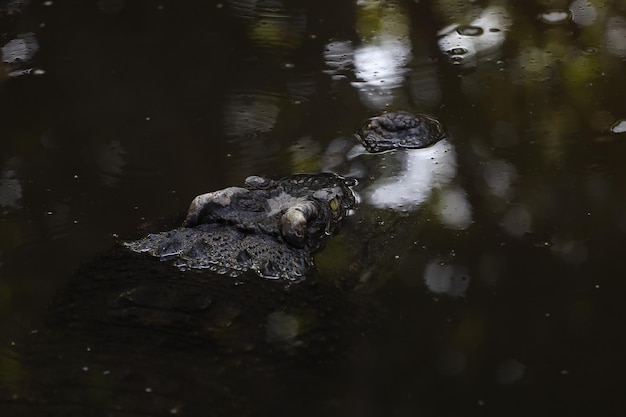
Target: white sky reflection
[10,190]
[423,170]
[444,278]
[380,67]
[482,38]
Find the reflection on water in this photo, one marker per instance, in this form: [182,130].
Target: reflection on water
[111,163]
[619,127]
[339,58]
[282,329]
[499,177]
[19,45]
[271,25]
[555,17]
[517,221]
[443,278]
[377,66]
[22,48]
[583,12]
[10,191]
[250,114]
[403,180]
[453,208]
[616,36]
[482,39]
[17,53]
[572,251]
[380,68]
[411,176]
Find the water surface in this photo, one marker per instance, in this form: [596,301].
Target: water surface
[493,289]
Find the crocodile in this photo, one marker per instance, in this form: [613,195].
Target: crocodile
[273,227]
[270,227]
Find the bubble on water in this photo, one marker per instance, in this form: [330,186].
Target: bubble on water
[590,50]
[457,51]
[555,17]
[469,30]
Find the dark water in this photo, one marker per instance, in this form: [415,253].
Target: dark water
[499,292]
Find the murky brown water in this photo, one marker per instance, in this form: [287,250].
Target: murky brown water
[483,278]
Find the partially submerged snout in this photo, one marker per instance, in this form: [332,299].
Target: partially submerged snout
[295,221]
[400,129]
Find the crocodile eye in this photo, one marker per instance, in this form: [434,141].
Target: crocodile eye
[334,204]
